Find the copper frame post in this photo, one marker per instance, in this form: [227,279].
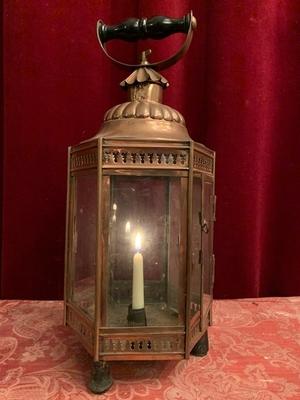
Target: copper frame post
[189,251]
[67,239]
[202,316]
[99,265]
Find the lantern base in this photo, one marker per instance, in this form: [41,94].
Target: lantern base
[101,379]
[201,347]
[136,317]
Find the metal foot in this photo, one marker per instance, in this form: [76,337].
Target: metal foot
[101,379]
[201,347]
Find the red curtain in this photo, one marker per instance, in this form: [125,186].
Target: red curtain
[238,88]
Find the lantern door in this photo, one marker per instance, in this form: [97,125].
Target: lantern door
[201,260]
[207,255]
[195,276]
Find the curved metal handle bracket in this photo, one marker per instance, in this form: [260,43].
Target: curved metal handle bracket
[159,65]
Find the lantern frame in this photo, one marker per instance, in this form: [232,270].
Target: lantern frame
[105,157]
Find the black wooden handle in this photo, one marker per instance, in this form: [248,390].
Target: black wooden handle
[134,29]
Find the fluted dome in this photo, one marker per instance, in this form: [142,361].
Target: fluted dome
[144,109]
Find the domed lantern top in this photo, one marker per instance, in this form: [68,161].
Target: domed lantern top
[141,207]
[144,114]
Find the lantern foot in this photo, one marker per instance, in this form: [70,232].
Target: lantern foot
[136,317]
[101,379]
[201,347]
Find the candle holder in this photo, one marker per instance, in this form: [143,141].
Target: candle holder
[140,217]
[136,317]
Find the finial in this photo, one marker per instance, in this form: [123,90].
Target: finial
[143,58]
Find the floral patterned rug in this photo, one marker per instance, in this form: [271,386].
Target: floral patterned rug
[254,355]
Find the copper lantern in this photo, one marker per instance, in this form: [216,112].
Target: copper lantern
[141,207]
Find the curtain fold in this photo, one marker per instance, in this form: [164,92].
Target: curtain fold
[238,88]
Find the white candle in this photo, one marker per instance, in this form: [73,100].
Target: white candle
[138,277]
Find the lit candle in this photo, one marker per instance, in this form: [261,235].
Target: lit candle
[138,277]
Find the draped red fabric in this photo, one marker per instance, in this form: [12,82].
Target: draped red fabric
[238,88]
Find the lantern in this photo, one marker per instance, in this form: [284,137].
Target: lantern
[141,206]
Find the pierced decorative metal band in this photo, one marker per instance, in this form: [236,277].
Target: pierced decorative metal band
[203,162]
[84,159]
[145,158]
[172,344]
[80,326]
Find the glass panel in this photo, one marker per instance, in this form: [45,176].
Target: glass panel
[177,266]
[84,241]
[195,303]
[145,264]
[207,243]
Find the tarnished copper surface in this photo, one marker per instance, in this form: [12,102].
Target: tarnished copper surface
[143,75]
[144,115]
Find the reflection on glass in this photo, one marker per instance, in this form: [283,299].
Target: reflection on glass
[127,227]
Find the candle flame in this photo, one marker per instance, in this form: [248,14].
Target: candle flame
[138,242]
[127,227]
[114,207]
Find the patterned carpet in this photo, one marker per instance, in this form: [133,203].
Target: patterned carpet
[254,355]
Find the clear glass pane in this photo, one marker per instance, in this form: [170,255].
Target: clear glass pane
[145,262]
[207,244]
[195,303]
[84,241]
